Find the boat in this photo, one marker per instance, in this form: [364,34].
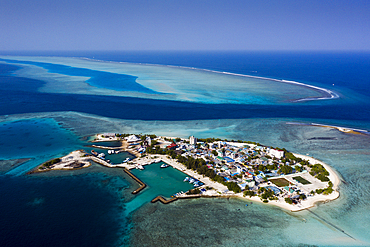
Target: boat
[140,167]
[164,165]
[101,156]
[186,179]
[191,181]
[94,152]
[127,159]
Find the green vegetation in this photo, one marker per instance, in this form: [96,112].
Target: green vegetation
[266,194]
[285,169]
[249,193]
[298,168]
[280,182]
[326,191]
[51,162]
[233,187]
[301,180]
[288,200]
[319,172]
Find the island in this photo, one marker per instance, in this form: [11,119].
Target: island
[217,168]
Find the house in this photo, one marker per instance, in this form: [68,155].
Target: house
[172,146]
[242,185]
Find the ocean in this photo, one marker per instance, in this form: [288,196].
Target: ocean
[52,101]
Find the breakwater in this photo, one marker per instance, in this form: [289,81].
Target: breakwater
[142,184]
[163,200]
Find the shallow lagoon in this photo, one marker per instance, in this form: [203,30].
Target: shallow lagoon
[346,153]
[262,224]
[158,82]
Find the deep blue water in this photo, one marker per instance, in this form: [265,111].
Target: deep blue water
[34,210]
[68,211]
[349,72]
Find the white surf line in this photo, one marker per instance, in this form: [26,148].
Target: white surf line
[332,94]
[339,127]
[329,126]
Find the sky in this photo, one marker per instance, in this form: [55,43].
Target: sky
[184,25]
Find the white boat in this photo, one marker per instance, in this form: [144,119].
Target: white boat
[127,159]
[191,180]
[101,156]
[186,179]
[164,165]
[140,167]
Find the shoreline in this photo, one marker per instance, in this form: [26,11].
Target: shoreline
[306,204]
[218,189]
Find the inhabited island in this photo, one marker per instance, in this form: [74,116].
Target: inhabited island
[216,168]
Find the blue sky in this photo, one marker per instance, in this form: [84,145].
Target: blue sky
[184,25]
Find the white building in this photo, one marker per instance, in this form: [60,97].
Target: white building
[276,153]
[148,140]
[132,138]
[193,140]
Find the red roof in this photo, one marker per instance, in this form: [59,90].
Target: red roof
[172,145]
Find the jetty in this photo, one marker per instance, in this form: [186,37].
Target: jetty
[163,200]
[142,184]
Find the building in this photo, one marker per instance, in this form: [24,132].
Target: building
[193,140]
[276,153]
[132,138]
[148,141]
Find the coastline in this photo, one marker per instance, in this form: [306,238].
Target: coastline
[218,189]
[306,204]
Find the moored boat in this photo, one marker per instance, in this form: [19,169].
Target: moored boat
[140,167]
[164,165]
[186,179]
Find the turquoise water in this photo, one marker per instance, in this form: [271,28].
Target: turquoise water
[159,82]
[108,144]
[260,113]
[38,138]
[159,181]
[114,158]
[348,154]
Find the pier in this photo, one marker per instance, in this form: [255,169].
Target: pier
[142,184]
